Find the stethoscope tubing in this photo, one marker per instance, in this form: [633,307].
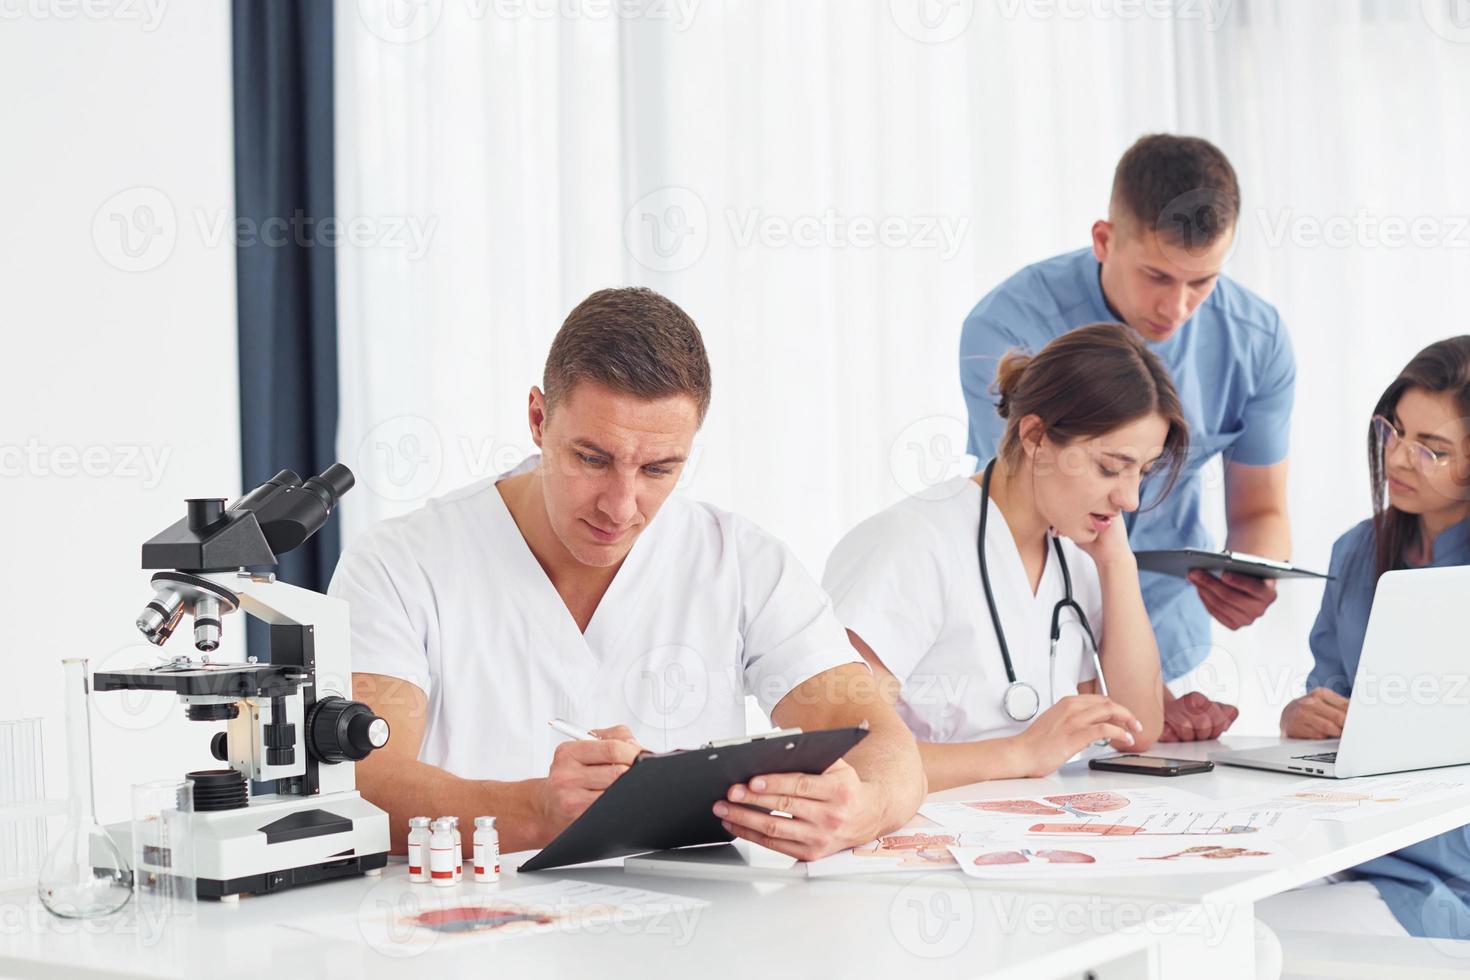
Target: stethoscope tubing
[1018,691]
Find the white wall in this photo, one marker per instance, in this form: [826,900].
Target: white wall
[120,386]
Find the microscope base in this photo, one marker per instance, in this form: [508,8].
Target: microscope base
[279,842]
[274,881]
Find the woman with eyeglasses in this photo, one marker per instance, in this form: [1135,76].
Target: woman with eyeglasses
[1001,612]
[1419,463]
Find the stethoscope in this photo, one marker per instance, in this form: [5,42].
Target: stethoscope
[1021,700]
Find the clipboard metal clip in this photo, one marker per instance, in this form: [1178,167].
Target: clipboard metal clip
[725,743]
[1284,566]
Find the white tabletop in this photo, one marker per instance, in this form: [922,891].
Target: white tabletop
[936,924]
[912,926]
[1325,848]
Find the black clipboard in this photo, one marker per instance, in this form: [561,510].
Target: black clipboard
[667,800]
[1181,561]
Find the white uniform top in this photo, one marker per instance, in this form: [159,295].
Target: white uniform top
[908,582]
[706,608]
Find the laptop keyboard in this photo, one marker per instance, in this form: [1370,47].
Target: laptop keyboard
[1319,757]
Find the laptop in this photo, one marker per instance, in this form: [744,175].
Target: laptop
[1410,707]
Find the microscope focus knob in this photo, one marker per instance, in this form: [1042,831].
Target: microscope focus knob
[340,730]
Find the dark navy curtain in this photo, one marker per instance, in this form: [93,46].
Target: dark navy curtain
[285,267]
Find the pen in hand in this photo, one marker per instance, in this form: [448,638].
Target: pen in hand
[572,731]
[583,735]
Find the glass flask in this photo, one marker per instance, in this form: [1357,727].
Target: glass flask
[85,875]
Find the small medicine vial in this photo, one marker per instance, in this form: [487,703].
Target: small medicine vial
[458,848]
[418,848]
[441,853]
[487,850]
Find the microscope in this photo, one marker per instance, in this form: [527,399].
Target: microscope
[290,723]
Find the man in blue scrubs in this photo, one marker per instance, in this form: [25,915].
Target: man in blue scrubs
[1154,265]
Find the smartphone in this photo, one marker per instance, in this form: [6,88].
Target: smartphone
[1151,765]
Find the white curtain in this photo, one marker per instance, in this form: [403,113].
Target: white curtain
[827,188]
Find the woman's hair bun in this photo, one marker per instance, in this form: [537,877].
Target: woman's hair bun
[1008,379]
[1086,383]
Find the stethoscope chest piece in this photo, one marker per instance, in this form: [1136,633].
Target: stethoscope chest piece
[1021,701]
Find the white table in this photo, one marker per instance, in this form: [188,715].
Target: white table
[751,928]
[937,924]
[1214,936]
[1327,846]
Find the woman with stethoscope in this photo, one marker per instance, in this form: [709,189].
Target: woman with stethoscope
[1001,612]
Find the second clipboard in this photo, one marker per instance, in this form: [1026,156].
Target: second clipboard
[1181,561]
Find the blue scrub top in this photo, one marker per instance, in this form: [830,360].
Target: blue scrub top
[1232,365]
[1427,885]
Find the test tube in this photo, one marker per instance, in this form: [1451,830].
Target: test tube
[23,844]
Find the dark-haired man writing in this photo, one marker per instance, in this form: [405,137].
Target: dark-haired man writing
[1154,264]
[576,587]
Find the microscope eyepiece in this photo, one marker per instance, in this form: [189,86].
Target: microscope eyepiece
[332,483]
[290,517]
[255,531]
[203,511]
[256,498]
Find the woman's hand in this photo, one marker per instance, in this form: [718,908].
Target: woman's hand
[1110,548]
[1069,726]
[1316,714]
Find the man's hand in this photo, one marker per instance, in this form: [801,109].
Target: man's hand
[828,813]
[1195,718]
[1234,600]
[1316,714]
[580,771]
[1071,725]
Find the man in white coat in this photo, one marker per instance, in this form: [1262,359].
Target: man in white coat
[577,587]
